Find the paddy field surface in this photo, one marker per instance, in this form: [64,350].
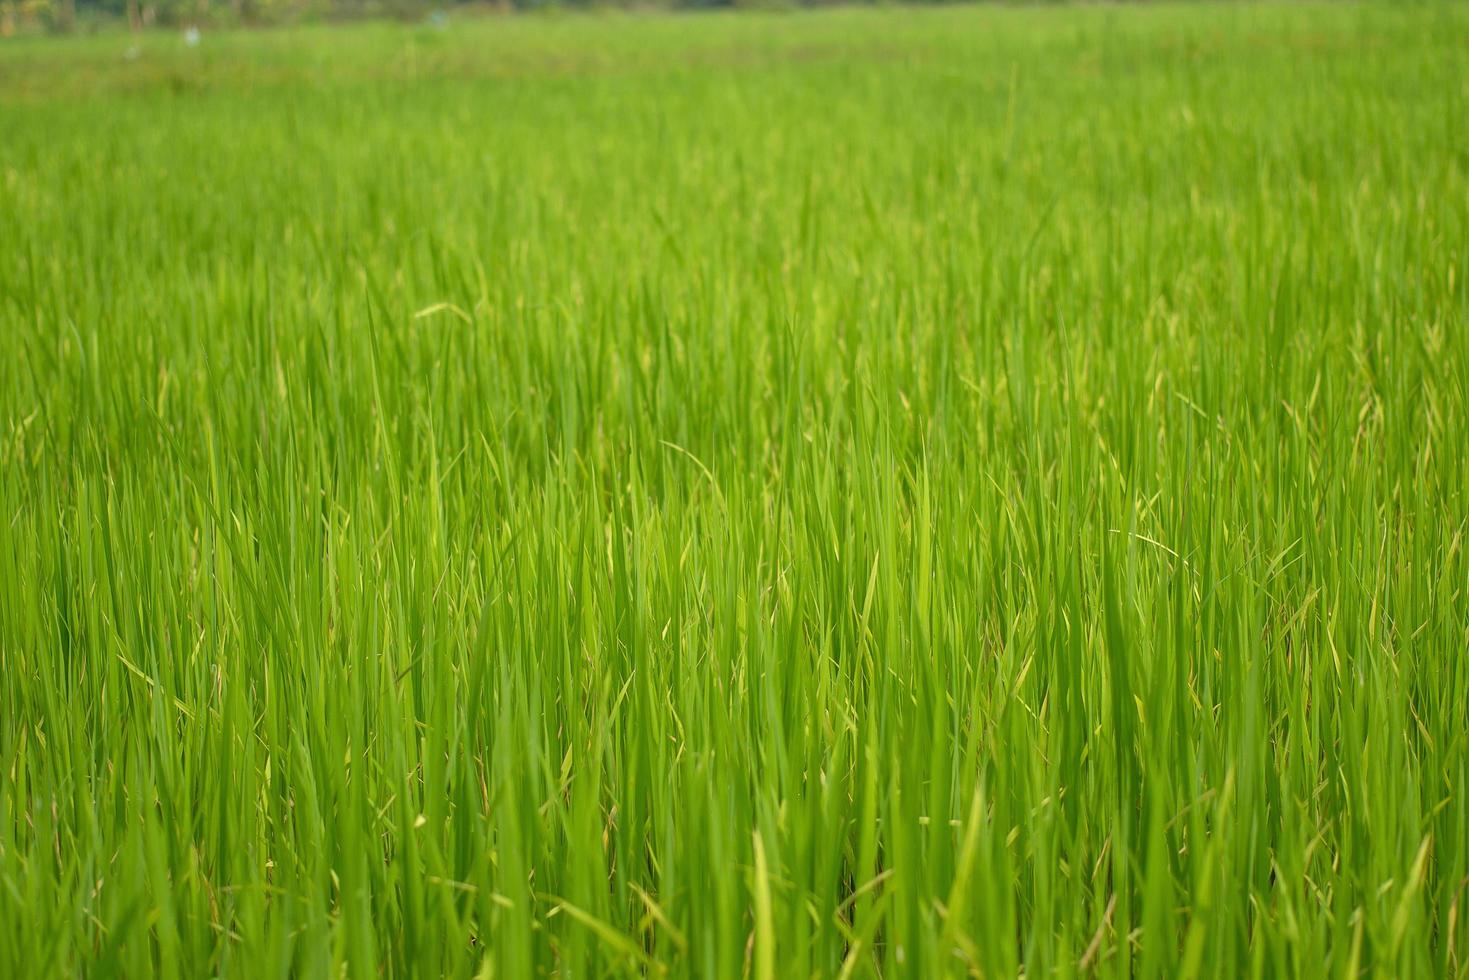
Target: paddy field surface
[865,493]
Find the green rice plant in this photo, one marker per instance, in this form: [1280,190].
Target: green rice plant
[869,493]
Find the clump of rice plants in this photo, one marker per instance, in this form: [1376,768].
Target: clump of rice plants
[869,493]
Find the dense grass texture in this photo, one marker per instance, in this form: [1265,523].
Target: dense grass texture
[869,493]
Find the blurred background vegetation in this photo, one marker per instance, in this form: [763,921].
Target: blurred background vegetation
[88,16]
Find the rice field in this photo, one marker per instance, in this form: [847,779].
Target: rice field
[973,491]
